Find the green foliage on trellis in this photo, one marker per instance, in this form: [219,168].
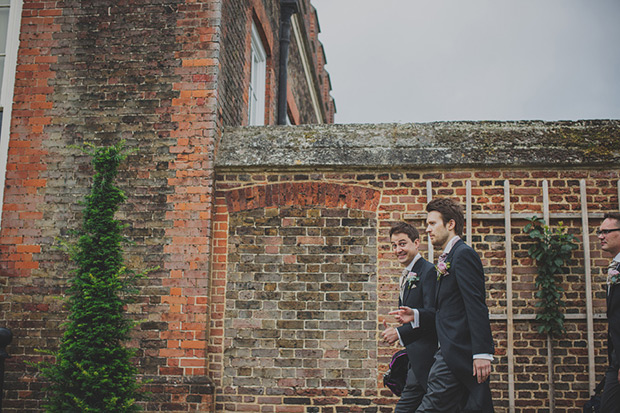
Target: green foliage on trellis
[551,250]
[93,371]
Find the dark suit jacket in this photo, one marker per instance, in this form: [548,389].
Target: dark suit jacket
[421,343]
[462,321]
[613,320]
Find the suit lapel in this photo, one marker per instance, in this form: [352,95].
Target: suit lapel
[611,289]
[406,293]
[417,267]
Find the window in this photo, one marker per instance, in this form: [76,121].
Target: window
[8,44]
[256,96]
[5,8]
[10,20]
[10,15]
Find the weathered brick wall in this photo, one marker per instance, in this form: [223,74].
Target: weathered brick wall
[98,71]
[274,346]
[268,175]
[294,303]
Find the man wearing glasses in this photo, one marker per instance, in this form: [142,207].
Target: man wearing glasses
[609,235]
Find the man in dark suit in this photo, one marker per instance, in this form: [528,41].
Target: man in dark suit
[609,235]
[458,379]
[417,292]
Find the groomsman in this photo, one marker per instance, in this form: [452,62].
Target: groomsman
[458,379]
[609,236]
[417,292]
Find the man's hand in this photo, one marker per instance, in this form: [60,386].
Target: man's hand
[403,315]
[482,369]
[389,335]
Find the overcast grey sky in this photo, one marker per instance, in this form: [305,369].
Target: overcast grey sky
[435,60]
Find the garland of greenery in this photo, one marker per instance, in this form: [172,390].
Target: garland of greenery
[93,371]
[551,251]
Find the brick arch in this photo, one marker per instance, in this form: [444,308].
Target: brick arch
[303,194]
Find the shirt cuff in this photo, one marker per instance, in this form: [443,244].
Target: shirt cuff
[484,356]
[400,340]
[416,319]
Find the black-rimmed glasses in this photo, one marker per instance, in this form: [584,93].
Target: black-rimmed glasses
[606,231]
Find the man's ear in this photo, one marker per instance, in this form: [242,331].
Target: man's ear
[450,225]
[416,243]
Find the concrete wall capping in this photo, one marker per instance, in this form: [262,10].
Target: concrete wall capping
[463,143]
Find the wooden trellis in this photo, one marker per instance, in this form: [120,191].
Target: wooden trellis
[509,316]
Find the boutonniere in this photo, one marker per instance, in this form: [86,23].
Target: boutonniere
[442,269]
[613,277]
[412,280]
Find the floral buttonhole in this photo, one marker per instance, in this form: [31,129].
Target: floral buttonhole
[442,269]
[412,280]
[613,275]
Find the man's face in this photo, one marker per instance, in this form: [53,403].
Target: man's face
[404,249]
[610,242]
[438,233]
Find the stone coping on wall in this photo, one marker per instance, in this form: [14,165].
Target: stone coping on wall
[449,144]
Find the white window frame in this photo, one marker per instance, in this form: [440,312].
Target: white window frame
[12,43]
[258,75]
[8,86]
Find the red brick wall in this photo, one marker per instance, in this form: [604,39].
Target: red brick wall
[271,344]
[29,307]
[89,71]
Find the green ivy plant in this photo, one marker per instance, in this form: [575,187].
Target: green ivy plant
[551,250]
[93,371]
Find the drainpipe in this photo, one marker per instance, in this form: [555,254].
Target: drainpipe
[287,9]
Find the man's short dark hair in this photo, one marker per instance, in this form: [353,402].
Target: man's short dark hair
[405,228]
[448,209]
[612,215]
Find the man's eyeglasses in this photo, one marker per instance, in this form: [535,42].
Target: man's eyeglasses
[606,231]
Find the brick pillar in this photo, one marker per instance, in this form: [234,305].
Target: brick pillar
[25,302]
[99,72]
[190,204]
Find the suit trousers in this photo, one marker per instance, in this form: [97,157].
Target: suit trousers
[411,396]
[445,393]
[610,400]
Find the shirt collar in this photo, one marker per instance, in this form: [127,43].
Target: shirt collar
[451,243]
[412,263]
[617,257]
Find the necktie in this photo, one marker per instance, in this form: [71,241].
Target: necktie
[442,257]
[403,277]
